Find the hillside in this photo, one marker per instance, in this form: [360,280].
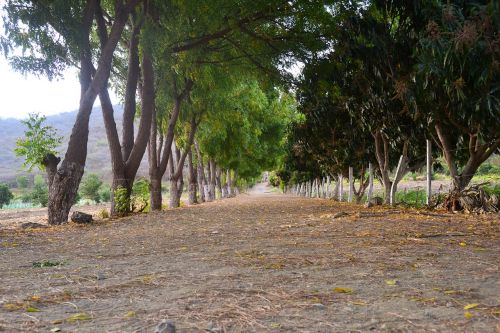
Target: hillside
[98,159]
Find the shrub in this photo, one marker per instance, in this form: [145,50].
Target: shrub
[5,195]
[105,193]
[89,187]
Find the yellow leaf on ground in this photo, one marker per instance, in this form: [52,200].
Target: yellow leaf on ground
[130,314]
[449,292]
[342,290]
[471,306]
[462,243]
[468,315]
[391,282]
[79,316]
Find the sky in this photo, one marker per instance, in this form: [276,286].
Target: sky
[21,95]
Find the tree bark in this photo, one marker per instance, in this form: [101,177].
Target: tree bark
[201,172]
[478,153]
[192,188]
[66,180]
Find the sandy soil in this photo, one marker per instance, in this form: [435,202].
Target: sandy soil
[256,263]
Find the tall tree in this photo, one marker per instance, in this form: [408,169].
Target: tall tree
[54,35]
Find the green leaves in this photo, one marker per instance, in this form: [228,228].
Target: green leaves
[39,142]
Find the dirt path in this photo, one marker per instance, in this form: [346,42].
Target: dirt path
[256,263]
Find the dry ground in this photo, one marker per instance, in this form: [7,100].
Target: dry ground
[256,263]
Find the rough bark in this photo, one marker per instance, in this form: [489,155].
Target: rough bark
[201,172]
[65,182]
[160,145]
[478,153]
[192,179]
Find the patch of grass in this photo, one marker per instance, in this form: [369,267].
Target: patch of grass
[48,263]
[415,198]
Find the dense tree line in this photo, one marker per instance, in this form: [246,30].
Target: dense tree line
[398,73]
[204,83]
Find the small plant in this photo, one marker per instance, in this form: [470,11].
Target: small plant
[122,200]
[47,263]
[103,214]
[5,195]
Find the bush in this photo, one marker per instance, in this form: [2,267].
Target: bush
[274,180]
[40,193]
[105,194]
[89,187]
[140,195]
[5,195]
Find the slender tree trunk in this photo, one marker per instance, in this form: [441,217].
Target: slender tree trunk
[218,183]
[192,189]
[212,174]
[201,173]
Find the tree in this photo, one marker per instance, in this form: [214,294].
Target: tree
[53,36]
[40,193]
[457,84]
[22,182]
[5,195]
[39,145]
[90,186]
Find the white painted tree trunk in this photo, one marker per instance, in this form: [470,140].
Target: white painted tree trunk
[328,193]
[351,184]
[370,183]
[429,173]
[341,186]
[392,199]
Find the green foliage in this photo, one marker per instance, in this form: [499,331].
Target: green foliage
[274,180]
[40,141]
[5,195]
[105,193]
[90,186]
[122,200]
[40,193]
[22,182]
[140,196]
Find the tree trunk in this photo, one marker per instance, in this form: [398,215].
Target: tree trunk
[218,182]
[201,172]
[192,188]
[212,176]
[478,153]
[155,195]
[65,182]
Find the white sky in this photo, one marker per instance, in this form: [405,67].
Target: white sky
[21,95]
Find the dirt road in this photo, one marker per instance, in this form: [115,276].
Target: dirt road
[256,263]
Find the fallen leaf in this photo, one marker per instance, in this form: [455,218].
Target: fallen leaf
[342,290]
[56,329]
[130,314]
[471,306]
[79,316]
[11,306]
[32,309]
[462,243]
[391,282]
[468,315]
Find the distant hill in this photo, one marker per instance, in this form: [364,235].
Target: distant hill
[98,159]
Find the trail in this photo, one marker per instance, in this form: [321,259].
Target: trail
[260,262]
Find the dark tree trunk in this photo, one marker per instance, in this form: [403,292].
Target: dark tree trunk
[192,189]
[160,149]
[478,153]
[212,176]
[201,173]
[65,182]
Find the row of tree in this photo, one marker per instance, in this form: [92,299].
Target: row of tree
[396,74]
[204,70]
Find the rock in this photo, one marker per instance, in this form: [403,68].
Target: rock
[375,201]
[212,328]
[318,306]
[79,217]
[100,276]
[166,326]
[340,214]
[31,225]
